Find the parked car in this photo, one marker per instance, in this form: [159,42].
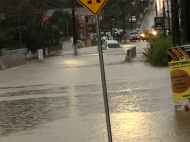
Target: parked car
[134,19]
[110,44]
[134,36]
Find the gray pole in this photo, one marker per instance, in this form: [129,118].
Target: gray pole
[67,29]
[131,16]
[20,34]
[74,28]
[104,88]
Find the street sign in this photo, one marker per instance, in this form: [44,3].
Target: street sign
[94,6]
[158,22]
[146,33]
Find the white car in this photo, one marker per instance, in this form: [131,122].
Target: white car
[134,36]
[110,44]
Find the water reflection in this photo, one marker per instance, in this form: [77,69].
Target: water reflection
[73,99]
[21,115]
[182,125]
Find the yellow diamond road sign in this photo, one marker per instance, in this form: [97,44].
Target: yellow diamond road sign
[146,33]
[93,6]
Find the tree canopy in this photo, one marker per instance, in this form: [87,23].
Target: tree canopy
[24,17]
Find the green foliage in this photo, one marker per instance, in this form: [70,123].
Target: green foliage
[119,10]
[5,37]
[156,54]
[57,27]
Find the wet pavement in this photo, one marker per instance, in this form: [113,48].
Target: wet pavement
[60,99]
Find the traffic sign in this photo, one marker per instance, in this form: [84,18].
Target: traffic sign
[94,6]
[158,22]
[146,33]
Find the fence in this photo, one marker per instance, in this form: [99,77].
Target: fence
[54,48]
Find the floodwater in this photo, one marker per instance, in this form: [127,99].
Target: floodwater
[60,99]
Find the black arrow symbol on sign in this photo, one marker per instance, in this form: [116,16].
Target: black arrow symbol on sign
[90,1]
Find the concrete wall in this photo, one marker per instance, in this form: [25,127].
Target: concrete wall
[131,53]
[10,61]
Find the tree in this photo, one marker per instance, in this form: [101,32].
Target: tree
[19,16]
[118,10]
[57,27]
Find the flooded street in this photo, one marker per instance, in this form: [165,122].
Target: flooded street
[60,99]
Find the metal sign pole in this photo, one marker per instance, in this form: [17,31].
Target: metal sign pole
[103,81]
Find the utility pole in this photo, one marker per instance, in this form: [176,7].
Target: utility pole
[164,17]
[67,30]
[110,25]
[74,27]
[20,34]
[187,20]
[175,23]
[131,15]
[168,7]
[156,7]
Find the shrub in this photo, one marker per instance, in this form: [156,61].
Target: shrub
[156,54]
